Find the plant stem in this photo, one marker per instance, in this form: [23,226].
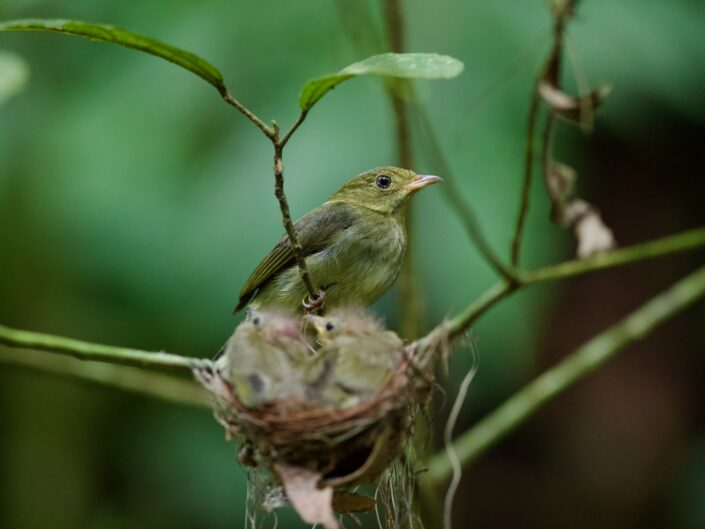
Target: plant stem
[131,379]
[411,317]
[454,198]
[528,174]
[681,242]
[286,215]
[230,100]
[93,351]
[595,352]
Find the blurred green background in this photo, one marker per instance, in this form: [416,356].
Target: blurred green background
[134,203]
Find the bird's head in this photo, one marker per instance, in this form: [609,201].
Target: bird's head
[384,189]
[272,326]
[350,322]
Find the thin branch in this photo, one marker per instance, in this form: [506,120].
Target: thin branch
[528,174]
[574,367]
[93,351]
[681,242]
[229,99]
[563,10]
[411,300]
[131,379]
[452,193]
[293,128]
[286,219]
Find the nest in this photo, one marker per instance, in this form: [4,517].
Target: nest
[319,454]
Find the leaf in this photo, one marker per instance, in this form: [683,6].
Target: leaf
[314,505]
[125,38]
[574,108]
[346,502]
[398,65]
[14,73]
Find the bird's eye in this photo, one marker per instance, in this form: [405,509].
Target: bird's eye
[330,326]
[383,181]
[256,321]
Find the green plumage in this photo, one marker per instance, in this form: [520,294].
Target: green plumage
[353,245]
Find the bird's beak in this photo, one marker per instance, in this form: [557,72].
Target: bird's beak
[318,323]
[423,180]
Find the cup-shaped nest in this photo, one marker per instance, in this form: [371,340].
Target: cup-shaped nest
[334,419]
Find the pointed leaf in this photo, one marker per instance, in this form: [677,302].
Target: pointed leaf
[125,38]
[398,65]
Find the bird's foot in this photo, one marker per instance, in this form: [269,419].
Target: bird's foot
[315,304]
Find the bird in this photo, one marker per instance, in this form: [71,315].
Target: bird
[353,245]
[263,358]
[356,358]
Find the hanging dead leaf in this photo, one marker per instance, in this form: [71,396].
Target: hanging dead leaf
[346,502]
[578,109]
[314,505]
[593,235]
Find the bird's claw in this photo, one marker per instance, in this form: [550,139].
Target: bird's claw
[313,305]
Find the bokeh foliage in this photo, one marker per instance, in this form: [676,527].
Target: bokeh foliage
[133,204]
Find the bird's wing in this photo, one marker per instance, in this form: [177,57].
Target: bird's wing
[315,231]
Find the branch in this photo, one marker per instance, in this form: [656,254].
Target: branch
[286,218]
[93,351]
[551,68]
[134,380]
[574,367]
[681,242]
[230,100]
[411,301]
[463,209]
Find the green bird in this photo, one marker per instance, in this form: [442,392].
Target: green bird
[353,245]
[357,357]
[263,358]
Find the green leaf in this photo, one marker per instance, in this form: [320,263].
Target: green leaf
[399,65]
[14,73]
[127,39]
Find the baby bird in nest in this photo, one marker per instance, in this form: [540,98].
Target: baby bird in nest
[264,359]
[356,359]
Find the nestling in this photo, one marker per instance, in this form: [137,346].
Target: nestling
[264,357]
[353,245]
[357,357]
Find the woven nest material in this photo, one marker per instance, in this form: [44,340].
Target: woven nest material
[318,453]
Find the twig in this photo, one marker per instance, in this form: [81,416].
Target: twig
[93,351]
[286,218]
[523,404]
[230,100]
[453,196]
[528,173]
[551,69]
[131,379]
[411,300]
[681,242]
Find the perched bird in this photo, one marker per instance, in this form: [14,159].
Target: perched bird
[263,358]
[353,245]
[356,359]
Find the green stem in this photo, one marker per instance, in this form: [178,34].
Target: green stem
[523,404]
[131,379]
[681,242]
[93,351]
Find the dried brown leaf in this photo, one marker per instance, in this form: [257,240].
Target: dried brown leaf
[593,235]
[314,505]
[573,108]
[346,502]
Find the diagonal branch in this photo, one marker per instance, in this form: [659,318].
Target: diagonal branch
[583,361]
[131,379]
[94,351]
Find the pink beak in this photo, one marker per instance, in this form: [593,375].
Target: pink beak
[422,181]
